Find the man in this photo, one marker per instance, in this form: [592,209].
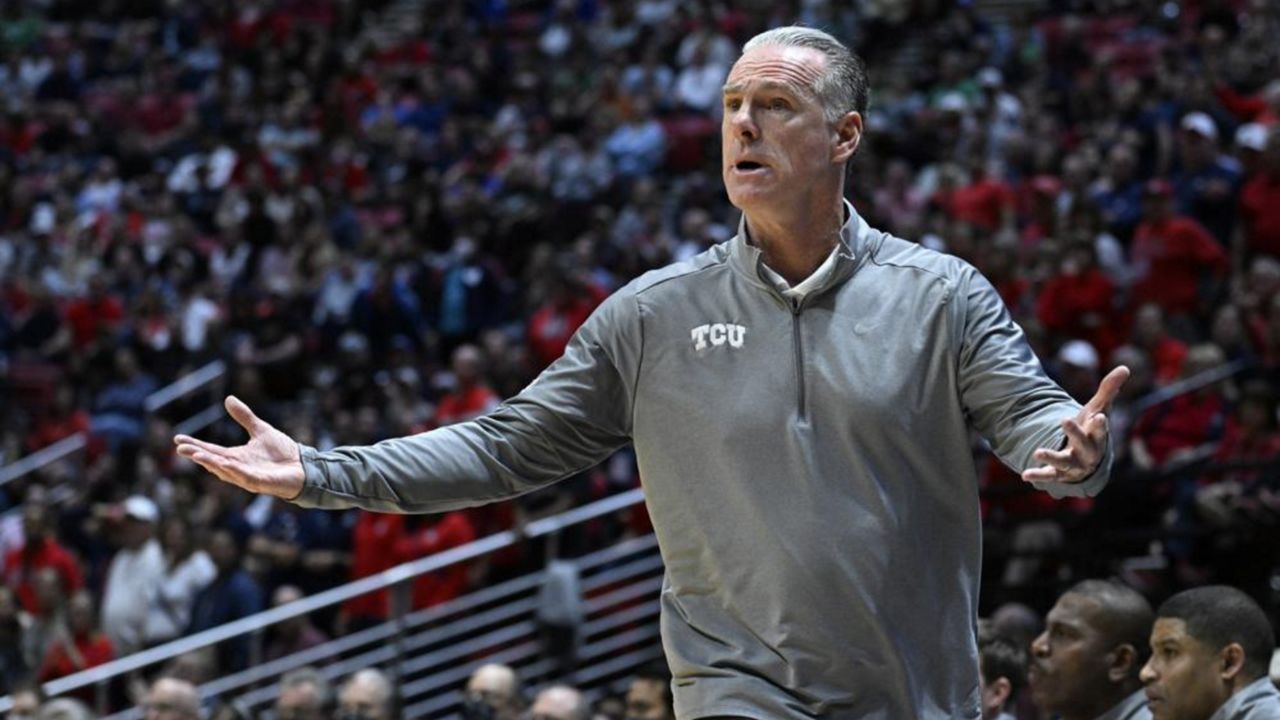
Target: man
[1085,664]
[559,702]
[39,550]
[135,573]
[368,695]
[171,699]
[493,693]
[1003,672]
[649,696]
[1210,650]
[800,399]
[304,695]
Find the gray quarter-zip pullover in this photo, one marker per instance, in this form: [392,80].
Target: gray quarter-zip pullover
[1259,700]
[807,466]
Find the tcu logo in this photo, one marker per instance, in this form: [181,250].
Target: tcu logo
[718,334]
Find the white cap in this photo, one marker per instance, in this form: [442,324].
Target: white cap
[141,508]
[1201,124]
[1252,136]
[990,77]
[1078,353]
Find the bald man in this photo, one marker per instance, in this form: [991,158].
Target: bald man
[366,696]
[1085,664]
[171,699]
[493,693]
[559,702]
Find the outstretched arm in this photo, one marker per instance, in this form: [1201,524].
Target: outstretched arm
[570,418]
[1086,437]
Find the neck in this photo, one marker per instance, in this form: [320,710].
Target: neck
[795,244]
[1102,703]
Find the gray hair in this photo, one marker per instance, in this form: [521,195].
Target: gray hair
[843,86]
[308,675]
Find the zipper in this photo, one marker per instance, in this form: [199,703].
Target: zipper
[796,306]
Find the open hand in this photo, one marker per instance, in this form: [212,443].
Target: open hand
[1086,437]
[268,463]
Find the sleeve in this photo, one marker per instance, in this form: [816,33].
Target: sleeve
[1005,392]
[571,417]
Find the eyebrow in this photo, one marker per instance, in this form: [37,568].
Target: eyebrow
[738,88]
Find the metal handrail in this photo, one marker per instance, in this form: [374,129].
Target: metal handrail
[75,443]
[384,580]
[1186,385]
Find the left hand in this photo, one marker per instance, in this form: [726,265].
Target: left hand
[1086,437]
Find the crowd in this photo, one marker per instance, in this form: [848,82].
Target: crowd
[384,223]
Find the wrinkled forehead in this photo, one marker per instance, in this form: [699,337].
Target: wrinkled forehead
[796,67]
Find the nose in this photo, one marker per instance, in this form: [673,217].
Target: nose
[743,125]
[1148,674]
[1040,646]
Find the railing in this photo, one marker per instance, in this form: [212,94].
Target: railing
[1188,385]
[398,651]
[154,402]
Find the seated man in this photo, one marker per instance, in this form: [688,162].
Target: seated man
[367,695]
[1211,647]
[559,702]
[1085,664]
[649,695]
[493,691]
[171,698]
[1002,671]
[304,695]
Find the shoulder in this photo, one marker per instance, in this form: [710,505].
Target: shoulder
[908,261]
[674,276]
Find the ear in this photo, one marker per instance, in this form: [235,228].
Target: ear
[1001,689]
[848,135]
[1123,659]
[1231,661]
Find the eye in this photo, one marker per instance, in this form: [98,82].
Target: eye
[778,104]
[733,104]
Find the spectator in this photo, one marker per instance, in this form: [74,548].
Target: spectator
[649,694]
[64,708]
[471,395]
[1211,647]
[295,634]
[26,698]
[171,699]
[187,571]
[77,645]
[134,576]
[560,702]
[1177,261]
[1085,664]
[1208,184]
[233,594]
[493,693]
[14,625]
[39,551]
[304,695]
[119,409]
[1259,232]
[1187,425]
[1003,673]
[367,695]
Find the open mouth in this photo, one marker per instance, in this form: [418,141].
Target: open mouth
[748,166]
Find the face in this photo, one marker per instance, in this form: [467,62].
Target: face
[777,144]
[1070,659]
[495,689]
[170,700]
[1183,679]
[647,700]
[299,702]
[361,700]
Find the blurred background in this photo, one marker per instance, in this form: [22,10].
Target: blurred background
[369,219]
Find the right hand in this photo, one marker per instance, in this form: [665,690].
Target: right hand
[269,463]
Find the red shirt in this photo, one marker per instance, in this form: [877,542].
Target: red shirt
[20,572]
[1176,252]
[468,403]
[1260,207]
[1185,422]
[1079,306]
[450,531]
[982,203]
[373,549]
[94,649]
[87,317]
[1166,359]
[553,325]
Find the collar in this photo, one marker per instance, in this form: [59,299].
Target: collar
[1258,690]
[1127,709]
[853,245]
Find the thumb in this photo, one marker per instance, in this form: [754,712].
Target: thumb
[243,415]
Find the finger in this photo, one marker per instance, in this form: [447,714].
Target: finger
[1061,459]
[1076,435]
[213,464]
[201,445]
[1107,390]
[243,415]
[1044,473]
[1096,427]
